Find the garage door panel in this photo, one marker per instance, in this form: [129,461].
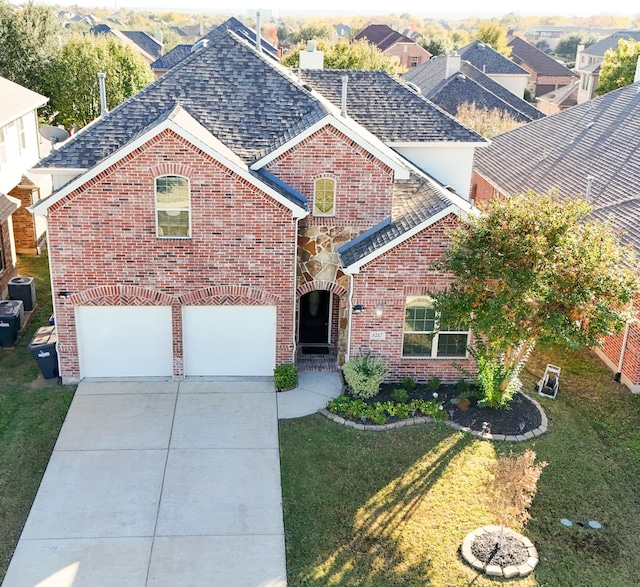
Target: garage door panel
[229,340]
[124,341]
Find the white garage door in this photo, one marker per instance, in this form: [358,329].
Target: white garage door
[229,340]
[124,341]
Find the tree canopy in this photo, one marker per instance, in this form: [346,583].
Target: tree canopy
[491,33]
[567,46]
[343,55]
[485,121]
[619,66]
[532,269]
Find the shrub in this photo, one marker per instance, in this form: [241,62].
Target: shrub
[400,395]
[364,375]
[285,376]
[462,385]
[434,383]
[429,408]
[408,383]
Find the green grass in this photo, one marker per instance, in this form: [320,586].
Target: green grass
[31,415]
[391,508]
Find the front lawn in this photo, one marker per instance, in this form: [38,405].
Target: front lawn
[31,414]
[391,508]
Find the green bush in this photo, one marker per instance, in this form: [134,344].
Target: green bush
[379,413]
[285,376]
[364,376]
[400,395]
[408,383]
[462,385]
[434,383]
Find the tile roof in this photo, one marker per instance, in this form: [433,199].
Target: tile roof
[382,36]
[416,201]
[488,60]
[8,206]
[172,58]
[540,62]
[468,85]
[388,108]
[611,42]
[241,97]
[599,138]
[146,42]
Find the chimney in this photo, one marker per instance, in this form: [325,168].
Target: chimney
[636,77]
[103,95]
[160,40]
[311,58]
[452,65]
[258,32]
[201,28]
[579,51]
[343,101]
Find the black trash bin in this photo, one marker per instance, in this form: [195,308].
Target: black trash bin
[11,320]
[43,350]
[23,288]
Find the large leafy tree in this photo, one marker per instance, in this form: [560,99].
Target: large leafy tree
[568,45]
[619,66]
[490,32]
[73,80]
[344,55]
[533,269]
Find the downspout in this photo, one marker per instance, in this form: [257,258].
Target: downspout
[295,299]
[623,349]
[347,355]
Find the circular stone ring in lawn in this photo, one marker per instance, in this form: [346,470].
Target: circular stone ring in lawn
[516,557]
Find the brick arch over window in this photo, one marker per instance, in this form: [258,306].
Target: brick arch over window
[320,285]
[229,295]
[170,168]
[121,295]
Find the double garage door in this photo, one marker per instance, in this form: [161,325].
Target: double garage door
[137,341]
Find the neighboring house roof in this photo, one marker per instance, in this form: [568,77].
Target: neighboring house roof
[382,36]
[488,60]
[388,108]
[146,42]
[563,97]
[469,85]
[16,101]
[172,58]
[191,30]
[598,139]
[105,29]
[8,206]
[611,42]
[538,61]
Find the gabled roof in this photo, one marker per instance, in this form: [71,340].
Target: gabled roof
[488,60]
[191,30]
[382,36]
[540,62]
[468,85]
[16,101]
[172,58]
[8,206]
[146,42]
[598,139]
[105,29]
[388,108]
[611,42]
[565,97]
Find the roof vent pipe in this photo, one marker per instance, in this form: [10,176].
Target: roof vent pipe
[103,95]
[258,32]
[587,195]
[343,102]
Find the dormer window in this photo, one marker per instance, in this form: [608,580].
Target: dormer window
[324,197]
[173,215]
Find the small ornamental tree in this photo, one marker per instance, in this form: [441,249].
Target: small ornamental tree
[532,269]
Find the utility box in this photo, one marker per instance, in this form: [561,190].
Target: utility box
[43,350]
[11,321]
[23,288]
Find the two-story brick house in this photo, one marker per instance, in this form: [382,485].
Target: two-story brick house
[233,216]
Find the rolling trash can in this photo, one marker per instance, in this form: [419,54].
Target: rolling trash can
[11,321]
[43,350]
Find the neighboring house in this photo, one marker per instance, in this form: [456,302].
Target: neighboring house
[19,151]
[545,73]
[590,150]
[231,217]
[450,82]
[141,42]
[408,53]
[589,60]
[191,33]
[560,99]
[179,52]
[500,69]
[341,31]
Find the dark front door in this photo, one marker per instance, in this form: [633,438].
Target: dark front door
[314,317]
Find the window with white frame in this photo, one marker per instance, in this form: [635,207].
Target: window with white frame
[173,207]
[3,146]
[22,137]
[324,197]
[428,335]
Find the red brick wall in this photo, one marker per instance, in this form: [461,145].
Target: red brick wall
[242,245]
[481,189]
[387,281]
[364,185]
[405,51]
[24,228]
[7,269]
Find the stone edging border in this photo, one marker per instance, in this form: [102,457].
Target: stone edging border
[496,570]
[544,425]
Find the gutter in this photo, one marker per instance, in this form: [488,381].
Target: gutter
[623,350]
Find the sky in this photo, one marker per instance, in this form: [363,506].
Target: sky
[381,7]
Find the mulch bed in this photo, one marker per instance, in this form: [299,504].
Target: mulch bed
[520,417]
[511,551]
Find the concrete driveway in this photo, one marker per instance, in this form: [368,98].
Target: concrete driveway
[159,484]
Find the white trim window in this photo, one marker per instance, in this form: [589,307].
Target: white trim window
[22,136]
[324,197]
[173,206]
[427,335]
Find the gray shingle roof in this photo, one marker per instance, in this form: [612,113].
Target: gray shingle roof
[488,60]
[146,42]
[388,108]
[382,36]
[7,207]
[611,42]
[474,86]
[172,58]
[540,62]
[416,200]
[600,138]
[227,87]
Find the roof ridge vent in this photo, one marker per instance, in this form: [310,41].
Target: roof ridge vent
[201,44]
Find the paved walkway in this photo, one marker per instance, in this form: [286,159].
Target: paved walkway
[165,484]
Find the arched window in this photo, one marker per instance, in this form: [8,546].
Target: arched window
[324,197]
[173,216]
